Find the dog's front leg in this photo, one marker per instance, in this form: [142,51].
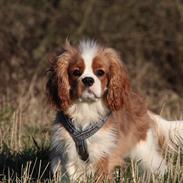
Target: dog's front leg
[106,168]
[56,167]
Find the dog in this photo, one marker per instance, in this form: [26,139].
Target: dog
[100,120]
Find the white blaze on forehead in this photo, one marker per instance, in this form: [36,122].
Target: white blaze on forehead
[88,50]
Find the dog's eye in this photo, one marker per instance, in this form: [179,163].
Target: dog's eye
[76,73]
[100,72]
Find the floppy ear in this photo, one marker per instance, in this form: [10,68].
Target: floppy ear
[119,86]
[52,86]
[58,87]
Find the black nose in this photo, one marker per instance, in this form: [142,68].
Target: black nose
[88,81]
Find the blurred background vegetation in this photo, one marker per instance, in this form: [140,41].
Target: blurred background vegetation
[148,34]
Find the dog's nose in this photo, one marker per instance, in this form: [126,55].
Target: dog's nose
[88,81]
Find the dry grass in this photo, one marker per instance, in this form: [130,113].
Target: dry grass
[147,33]
[25,143]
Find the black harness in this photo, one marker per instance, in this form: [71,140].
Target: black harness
[80,136]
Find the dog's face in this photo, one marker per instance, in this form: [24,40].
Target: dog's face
[86,74]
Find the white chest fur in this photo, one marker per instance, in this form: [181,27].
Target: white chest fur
[99,145]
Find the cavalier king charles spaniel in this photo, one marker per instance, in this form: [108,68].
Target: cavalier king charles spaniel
[100,120]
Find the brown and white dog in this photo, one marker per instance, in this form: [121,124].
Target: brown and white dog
[89,85]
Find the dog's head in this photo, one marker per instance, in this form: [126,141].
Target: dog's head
[87,73]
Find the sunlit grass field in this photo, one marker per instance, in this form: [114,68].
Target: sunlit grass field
[25,145]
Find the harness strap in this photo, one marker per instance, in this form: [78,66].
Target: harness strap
[79,137]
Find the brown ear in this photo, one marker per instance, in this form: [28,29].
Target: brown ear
[58,87]
[119,86]
[52,88]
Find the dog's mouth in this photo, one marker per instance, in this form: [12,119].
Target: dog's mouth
[89,96]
